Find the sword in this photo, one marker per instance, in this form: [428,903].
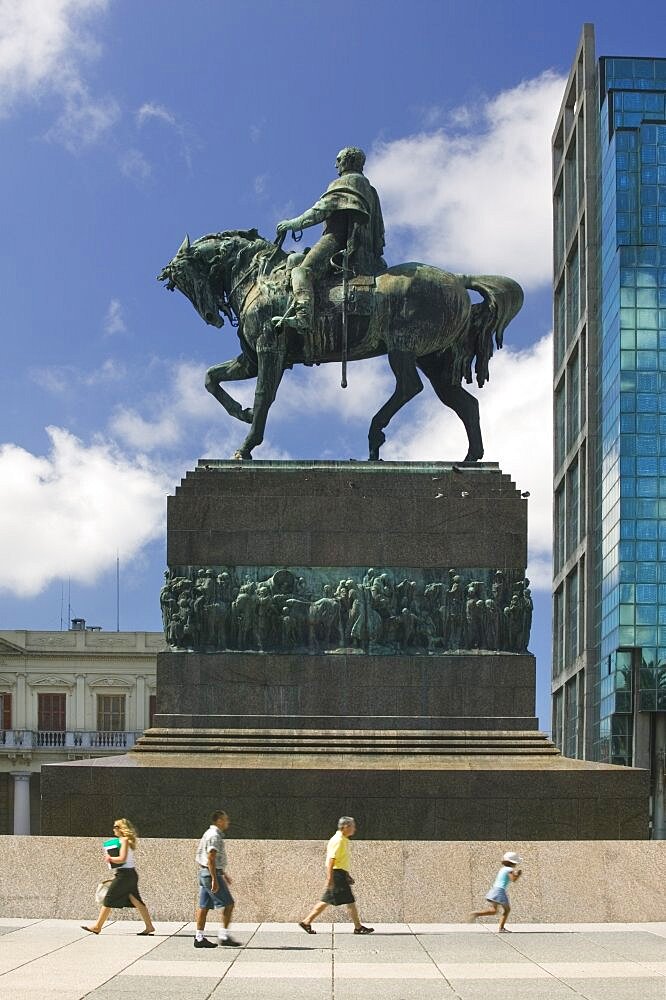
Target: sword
[345,314]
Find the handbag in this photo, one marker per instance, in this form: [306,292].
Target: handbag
[102,889]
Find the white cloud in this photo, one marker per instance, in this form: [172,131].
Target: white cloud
[168,419]
[66,514]
[516,421]
[317,390]
[133,164]
[84,120]
[165,422]
[42,46]
[260,182]
[164,431]
[257,130]
[155,111]
[55,379]
[59,379]
[114,321]
[109,371]
[475,196]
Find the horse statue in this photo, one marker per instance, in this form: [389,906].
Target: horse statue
[421,317]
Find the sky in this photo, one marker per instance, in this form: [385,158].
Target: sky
[125,124]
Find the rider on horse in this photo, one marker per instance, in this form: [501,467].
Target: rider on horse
[353,221]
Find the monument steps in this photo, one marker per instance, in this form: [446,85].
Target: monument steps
[331,741]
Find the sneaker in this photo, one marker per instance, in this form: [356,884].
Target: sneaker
[364,930]
[229,942]
[204,943]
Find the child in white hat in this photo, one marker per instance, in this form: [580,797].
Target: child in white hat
[498,896]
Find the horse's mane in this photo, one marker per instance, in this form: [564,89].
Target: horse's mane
[251,235]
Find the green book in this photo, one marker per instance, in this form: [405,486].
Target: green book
[111,847]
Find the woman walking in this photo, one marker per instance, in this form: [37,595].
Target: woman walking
[124,888]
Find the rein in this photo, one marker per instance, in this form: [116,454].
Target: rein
[262,257]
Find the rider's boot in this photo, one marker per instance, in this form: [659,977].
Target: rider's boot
[302,318]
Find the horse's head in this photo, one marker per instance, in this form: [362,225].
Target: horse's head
[197,271]
[203,270]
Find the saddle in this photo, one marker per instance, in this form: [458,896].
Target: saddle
[360,294]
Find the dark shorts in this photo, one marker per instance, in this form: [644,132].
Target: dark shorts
[340,892]
[125,884]
[209,900]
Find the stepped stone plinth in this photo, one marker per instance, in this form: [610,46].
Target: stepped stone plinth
[347,638]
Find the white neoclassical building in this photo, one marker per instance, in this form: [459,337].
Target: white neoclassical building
[67,696]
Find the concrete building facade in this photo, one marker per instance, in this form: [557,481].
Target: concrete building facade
[609,587]
[67,695]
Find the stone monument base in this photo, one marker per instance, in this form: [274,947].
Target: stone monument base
[503,786]
[347,638]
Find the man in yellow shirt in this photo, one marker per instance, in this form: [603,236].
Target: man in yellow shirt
[338,878]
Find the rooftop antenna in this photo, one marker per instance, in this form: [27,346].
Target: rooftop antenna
[62,601]
[117,591]
[69,601]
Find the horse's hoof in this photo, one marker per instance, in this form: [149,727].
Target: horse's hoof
[376,441]
[238,456]
[473,457]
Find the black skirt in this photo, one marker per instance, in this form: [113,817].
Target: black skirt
[340,891]
[125,884]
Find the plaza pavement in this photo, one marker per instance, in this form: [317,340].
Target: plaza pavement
[56,960]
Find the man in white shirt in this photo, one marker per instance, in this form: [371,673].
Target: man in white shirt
[214,882]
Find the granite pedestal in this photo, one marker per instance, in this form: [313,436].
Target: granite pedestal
[414,738]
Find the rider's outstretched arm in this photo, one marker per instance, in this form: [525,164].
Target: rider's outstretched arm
[312,217]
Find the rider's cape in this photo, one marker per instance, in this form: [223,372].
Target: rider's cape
[354,193]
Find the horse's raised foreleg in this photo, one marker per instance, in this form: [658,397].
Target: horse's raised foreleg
[407,385]
[463,403]
[235,370]
[270,357]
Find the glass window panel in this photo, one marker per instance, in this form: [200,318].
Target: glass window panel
[572,513]
[560,529]
[571,627]
[111,713]
[560,412]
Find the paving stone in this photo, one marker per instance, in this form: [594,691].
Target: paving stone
[146,988]
[565,947]
[516,989]
[57,962]
[384,989]
[621,989]
[469,947]
[285,953]
[399,971]
[636,946]
[191,969]
[275,989]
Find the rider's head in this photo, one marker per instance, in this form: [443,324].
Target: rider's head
[350,159]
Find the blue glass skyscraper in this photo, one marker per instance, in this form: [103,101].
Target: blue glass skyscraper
[609,597]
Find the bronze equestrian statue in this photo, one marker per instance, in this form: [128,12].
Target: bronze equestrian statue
[340,302]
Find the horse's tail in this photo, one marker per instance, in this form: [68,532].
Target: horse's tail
[502,299]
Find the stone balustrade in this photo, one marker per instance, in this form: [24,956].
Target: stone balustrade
[66,740]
